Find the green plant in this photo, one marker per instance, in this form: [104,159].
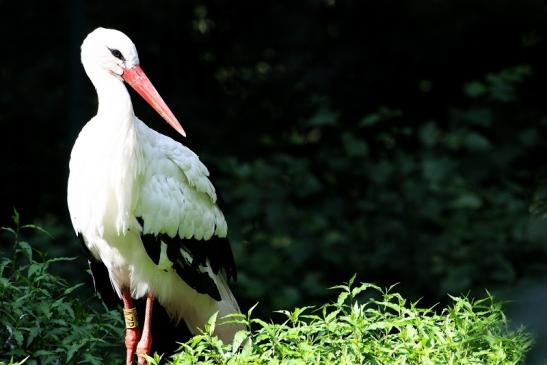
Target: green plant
[42,317]
[367,325]
[14,363]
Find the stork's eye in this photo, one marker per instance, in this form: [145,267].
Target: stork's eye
[117,54]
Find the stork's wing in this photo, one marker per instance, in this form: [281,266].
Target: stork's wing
[182,226]
[176,196]
[197,262]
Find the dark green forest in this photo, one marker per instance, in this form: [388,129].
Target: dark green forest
[402,141]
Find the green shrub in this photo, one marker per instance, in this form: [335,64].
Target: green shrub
[367,325]
[43,321]
[43,317]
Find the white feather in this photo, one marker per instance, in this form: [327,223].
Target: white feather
[176,194]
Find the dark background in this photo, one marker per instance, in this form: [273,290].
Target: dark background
[400,140]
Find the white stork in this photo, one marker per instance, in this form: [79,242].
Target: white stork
[143,203]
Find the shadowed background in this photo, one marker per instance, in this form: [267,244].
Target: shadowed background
[400,140]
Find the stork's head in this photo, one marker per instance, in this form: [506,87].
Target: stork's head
[110,53]
[110,50]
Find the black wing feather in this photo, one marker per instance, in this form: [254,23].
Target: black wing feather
[215,252]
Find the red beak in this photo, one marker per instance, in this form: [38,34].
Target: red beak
[138,80]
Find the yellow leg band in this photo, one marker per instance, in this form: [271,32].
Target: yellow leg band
[130,316]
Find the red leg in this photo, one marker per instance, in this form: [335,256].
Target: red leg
[143,348]
[132,332]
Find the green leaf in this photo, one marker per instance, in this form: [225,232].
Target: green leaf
[369,120]
[477,142]
[429,134]
[33,333]
[38,228]
[357,290]
[15,217]
[10,230]
[342,297]
[72,349]
[239,337]
[4,283]
[475,89]
[382,114]
[72,288]
[353,146]
[33,269]
[26,249]
[467,201]
[18,336]
[210,326]
[323,117]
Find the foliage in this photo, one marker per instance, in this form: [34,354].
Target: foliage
[11,362]
[440,205]
[43,317]
[367,325]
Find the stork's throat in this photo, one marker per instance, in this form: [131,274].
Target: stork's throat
[114,99]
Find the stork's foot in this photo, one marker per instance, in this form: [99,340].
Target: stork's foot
[132,331]
[143,348]
[132,336]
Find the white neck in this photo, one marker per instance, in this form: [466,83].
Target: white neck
[107,160]
[114,100]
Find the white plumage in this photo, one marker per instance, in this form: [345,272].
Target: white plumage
[121,170]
